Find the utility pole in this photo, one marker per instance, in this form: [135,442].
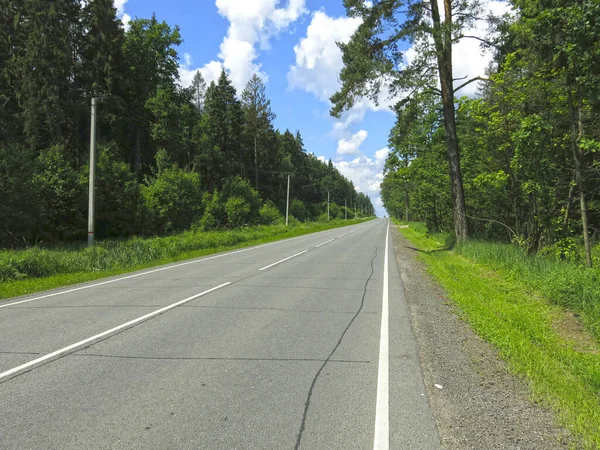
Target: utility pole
[287,205]
[327,205]
[345,210]
[92,174]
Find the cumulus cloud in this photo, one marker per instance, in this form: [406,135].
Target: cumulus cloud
[252,23]
[318,58]
[468,59]
[120,7]
[366,174]
[352,146]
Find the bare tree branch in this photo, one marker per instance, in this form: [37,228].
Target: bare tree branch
[469,82]
[485,41]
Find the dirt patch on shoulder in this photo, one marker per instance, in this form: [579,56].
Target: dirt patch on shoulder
[571,328]
[481,405]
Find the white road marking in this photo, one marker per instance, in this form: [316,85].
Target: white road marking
[71,347]
[282,260]
[382,415]
[323,243]
[195,261]
[341,235]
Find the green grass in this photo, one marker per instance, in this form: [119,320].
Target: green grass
[36,269]
[521,305]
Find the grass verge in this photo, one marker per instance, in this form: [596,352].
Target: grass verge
[541,340]
[32,270]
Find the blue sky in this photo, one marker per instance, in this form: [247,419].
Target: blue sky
[291,45]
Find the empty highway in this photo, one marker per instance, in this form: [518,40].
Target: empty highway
[303,343]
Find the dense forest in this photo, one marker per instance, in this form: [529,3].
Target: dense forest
[168,157]
[521,161]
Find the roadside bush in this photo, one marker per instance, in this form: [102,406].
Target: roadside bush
[238,187]
[214,212]
[118,196]
[19,205]
[270,215]
[298,210]
[63,197]
[173,198]
[238,211]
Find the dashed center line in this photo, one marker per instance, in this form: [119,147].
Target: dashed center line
[282,260]
[91,339]
[323,243]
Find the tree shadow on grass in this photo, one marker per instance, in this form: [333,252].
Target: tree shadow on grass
[441,249]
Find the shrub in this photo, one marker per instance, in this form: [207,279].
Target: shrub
[238,211]
[214,212]
[298,210]
[173,198]
[238,187]
[118,196]
[63,196]
[270,215]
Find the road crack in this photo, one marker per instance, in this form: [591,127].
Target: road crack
[314,381]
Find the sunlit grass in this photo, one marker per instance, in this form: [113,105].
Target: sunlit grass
[521,304]
[36,269]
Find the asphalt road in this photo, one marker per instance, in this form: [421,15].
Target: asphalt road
[242,350]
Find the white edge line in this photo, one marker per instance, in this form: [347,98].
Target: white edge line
[195,261]
[382,415]
[67,349]
[282,260]
[323,243]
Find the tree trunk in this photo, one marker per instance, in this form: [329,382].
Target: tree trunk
[576,136]
[442,37]
[255,165]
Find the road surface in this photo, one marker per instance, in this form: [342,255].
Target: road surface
[303,343]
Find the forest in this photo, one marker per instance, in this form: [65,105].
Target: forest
[169,158]
[529,162]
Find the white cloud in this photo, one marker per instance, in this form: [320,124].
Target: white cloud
[366,174]
[318,58]
[352,146]
[125,18]
[210,72]
[468,59]
[252,23]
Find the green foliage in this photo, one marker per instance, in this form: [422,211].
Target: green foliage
[214,212]
[298,210]
[118,196]
[270,215]
[238,211]
[174,199]
[165,144]
[62,194]
[19,206]
[510,298]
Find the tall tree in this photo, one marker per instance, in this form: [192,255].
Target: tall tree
[372,58]
[224,123]
[198,89]
[151,55]
[45,68]
[258,119]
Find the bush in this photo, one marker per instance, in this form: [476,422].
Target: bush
[118,196]
[214,212]
[19,205]
[238,211]
[238,187]
[270,215]
[63,197]
[298,210]
[173,198]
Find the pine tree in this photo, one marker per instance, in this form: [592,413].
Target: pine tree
[258,127]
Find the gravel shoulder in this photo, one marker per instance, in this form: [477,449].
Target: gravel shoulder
[480,404]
